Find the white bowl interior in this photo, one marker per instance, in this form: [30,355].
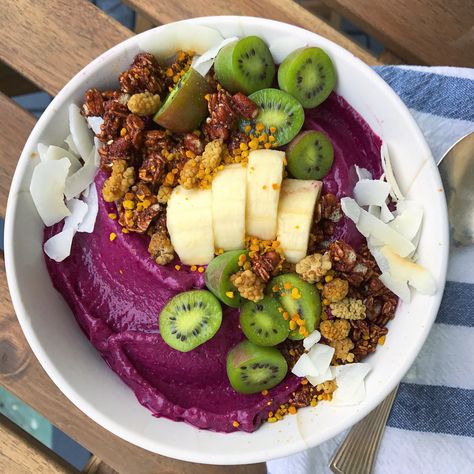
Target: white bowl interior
[77,369]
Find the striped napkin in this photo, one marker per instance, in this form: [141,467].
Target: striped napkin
[431,426]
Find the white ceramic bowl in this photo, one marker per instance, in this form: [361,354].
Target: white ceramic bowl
[80,373]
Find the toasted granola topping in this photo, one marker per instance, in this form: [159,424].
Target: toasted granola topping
[145,74]
[343,256]
[160,247]
[314,267]
[264,265]
[348,308]
[248,284]
[119,182]
[93,103]
[335,330]
[164,194]
[335,290]
[144,103]
[343,349]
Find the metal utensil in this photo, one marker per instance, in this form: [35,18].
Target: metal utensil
[358,451]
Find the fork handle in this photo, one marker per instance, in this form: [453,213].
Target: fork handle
[358,451]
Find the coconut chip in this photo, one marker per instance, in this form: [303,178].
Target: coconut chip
[47,190]
[79,181]
[42,151]
[371,192]
[92,201]
[315,363]
[350,383]
[54,152]
[389,175]
[70,145]
[80,132]
[311,340]
[95,123]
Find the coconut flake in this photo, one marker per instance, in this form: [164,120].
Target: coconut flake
[282,47]
[408,222]
[81,134]
[180,36]
[362,173]
[399,287]
[58,247]
[311,340]
[350,383]
[70,145]
[203,63]
[42,151]
[56,153]
[92,201]
[368,225]
[95,123]
[402,269]
[304,366]
[388,172]
[371,192]
[328,375]
[385,214]
[47,190]
[81,179]
[321,356]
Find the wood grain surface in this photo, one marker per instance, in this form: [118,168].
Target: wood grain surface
[433,32]
[165,11]
[49,41]
[20,453]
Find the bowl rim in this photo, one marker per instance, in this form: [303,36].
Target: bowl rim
[112,425]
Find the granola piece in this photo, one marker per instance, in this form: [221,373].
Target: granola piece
[248,284]
[119,182]
[157,140]
[133,130]
[336,290]
[361,272]
[153,169]
[264,265]
[343,256]
[193,143]
[222,117]
[330,208]
[368,339]
[314,267]
[164,194]
[343,349]
[329,386]
[144,103]
[145,74]
[119,149]
[94,104]
[348,308]
[335,330]
[160,247]
[301,397]
[114,119]
[244,107]
[291,351]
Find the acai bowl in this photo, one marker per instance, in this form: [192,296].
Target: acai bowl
[80,372]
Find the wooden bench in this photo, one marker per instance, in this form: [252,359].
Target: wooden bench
[48,41]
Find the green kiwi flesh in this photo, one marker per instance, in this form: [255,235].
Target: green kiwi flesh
[189,319]
[277,109]
[263,323]
[310,155]
[307,74]
[245,65]
[252,368]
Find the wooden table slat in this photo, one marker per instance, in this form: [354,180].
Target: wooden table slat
[288,11]
[23,454]
[433,32]
[49,41]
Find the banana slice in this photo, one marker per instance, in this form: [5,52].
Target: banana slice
[189,222]
[264,175]
[295,214]
[228,207]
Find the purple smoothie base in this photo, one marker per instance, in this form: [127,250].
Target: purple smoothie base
[116,292]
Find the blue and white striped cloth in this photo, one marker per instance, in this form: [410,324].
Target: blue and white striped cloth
[431,426]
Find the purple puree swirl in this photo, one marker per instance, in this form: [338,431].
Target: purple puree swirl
[116,293]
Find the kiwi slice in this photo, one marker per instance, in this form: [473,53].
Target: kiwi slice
[189,319]
[186,106]
[253,368]
[217,277]
[279,110]
[297,296]
[307,74]
[262,323]
[310,155]
[245,65]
